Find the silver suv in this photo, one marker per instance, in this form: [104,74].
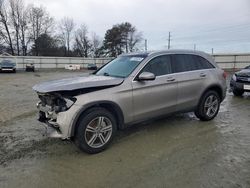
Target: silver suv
[130,89]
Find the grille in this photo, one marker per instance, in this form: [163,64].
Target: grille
[242,79]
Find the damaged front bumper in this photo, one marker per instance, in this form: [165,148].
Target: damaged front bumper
[58,125]
[48,118]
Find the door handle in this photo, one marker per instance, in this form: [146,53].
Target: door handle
[203,75]
[170,79]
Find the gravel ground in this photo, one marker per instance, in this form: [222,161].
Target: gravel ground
[179,151]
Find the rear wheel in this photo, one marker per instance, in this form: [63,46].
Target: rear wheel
[238,92]
[95,130]
[209,106]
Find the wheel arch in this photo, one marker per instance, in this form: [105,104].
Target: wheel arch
[109,105]
[216,88]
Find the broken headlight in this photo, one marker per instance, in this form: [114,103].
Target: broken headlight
[55,102]
[62,104]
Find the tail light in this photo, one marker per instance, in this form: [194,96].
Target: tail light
[224,75]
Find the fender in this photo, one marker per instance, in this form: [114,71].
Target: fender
[111,106]
[216,88]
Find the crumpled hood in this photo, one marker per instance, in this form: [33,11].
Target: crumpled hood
[70,84]
[244,73]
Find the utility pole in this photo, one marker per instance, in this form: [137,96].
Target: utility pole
[169,39]
[212,51]
[146,45]
[194,47]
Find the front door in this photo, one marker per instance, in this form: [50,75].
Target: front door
[156,97]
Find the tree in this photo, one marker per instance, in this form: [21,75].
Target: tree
[5,32]
[46,45]
[66,28]
[17,18]
[121,38]
[24,31]
[133,38]
[96,43]
[39,21]
[82,43]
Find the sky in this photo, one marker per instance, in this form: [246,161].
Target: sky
[223,25]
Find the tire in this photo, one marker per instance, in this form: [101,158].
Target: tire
[95,130]
[208,106]
[237,92]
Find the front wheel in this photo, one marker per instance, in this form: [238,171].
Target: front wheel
[208,106]
[95,130]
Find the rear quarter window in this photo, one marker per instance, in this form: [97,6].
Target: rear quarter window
[189,62]
[204,64]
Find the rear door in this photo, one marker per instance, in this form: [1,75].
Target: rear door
[191,77]
[157,97]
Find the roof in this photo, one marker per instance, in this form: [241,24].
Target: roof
[178,51]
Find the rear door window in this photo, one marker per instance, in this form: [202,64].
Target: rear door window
[183,63]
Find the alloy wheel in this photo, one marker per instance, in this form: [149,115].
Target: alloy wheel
[98,132]
[211,105]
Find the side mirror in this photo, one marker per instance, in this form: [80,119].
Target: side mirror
[145,76]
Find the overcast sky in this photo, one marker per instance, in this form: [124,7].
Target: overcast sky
[220,24]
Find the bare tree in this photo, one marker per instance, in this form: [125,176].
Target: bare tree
[134,38]
[16,11]
[5,31]
[66,28]
[130,36]
[96,44]
[40,22]
[24,31]
[82,42]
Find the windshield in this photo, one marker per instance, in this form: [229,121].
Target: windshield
[121,66]
[7,63]
[248,67]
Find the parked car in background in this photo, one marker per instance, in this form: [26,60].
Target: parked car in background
[240,82]
[73,67]
[7,66]
[30,67]
[130,89]
[91,66]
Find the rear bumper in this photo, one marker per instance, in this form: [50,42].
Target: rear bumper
[7,69]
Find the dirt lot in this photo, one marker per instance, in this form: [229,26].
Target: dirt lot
[178,151]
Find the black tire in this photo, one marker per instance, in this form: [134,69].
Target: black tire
[238,92]
[84,137]
[203,111]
